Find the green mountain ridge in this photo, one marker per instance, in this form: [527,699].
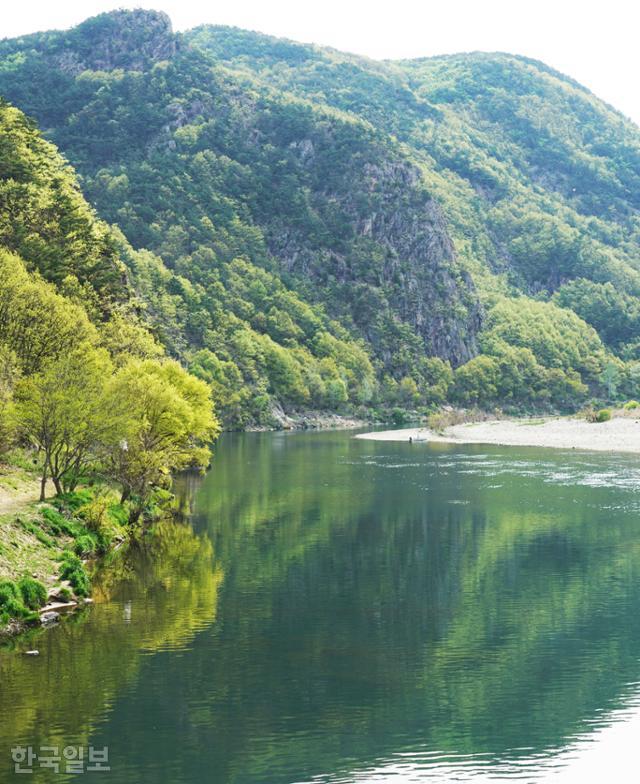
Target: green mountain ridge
[316,229]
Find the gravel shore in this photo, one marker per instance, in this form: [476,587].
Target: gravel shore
[617,435]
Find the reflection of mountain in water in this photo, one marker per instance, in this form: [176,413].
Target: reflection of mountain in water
[377,599]
[397,618]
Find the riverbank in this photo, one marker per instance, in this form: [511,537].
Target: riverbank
[45,547]
[617,435]
[309,420]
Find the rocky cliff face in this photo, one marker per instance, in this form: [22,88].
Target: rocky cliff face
[392,255]
[130,40]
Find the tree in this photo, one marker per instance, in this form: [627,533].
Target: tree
[408,394]
[477,381]
[165,423]
[9,374]
[36,323]
[610,379]
[556,336]
[62,410]
[125,337]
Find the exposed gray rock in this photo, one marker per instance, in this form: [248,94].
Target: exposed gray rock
[401,229]
[50,617]
[131,40]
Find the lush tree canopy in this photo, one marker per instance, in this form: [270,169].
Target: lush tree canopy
[304,228]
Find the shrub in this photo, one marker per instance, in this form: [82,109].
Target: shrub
[444,418]
[13,608]
[65,594]
[589,413]
[95,514]
[84,545]
[73,501]
[8,591]
[631,405]
[399,416]
[118,514]
[53,518]
[604,415]
[73,570]
[33,592]
[11,605]
[80,582]
[100,516]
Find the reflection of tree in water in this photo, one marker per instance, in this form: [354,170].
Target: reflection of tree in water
[362,613]
[377,615]
[150,597]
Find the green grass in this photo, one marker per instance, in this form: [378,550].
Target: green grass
[73,570]
[43,544]
[33,592]
[19,601]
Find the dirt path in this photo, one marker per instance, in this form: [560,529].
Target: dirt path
[14,500]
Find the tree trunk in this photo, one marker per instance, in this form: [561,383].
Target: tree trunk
[57,485]
[134,515]
[69,484]
[43,485]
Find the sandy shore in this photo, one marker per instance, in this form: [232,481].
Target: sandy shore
[617,435]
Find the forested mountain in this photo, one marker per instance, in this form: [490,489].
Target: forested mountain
[316,229]
[83,382]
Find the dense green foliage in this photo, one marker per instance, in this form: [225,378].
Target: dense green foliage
[19,600]
[308,229]
[71,346]
[33,592]
[297,247]
[45,219]
[538,180]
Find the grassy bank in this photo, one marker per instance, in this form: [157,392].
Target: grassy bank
[46,548]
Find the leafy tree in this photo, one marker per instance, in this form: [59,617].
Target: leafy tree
[556,337]
[614,314]
[125,337]
[9,374]
[43,216]
[165,423]
[476,382]
[610,379]
[327,233]
[408,393]
[336,393]
[37,323]
[62,410]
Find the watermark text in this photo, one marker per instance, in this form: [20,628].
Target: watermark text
[67,759]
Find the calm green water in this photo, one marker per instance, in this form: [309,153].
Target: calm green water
[342,611]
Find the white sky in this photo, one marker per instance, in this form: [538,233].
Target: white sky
[594,42]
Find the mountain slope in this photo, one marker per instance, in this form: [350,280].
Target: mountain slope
[64,283]
[511,148]
[418,204]
[45,219]
[314,193]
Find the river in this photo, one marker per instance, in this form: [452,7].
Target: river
[338,610]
